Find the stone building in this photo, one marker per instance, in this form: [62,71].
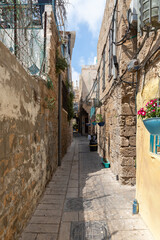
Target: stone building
[76,105]
[148,88]
[29,133]
[87,78]
[116,91]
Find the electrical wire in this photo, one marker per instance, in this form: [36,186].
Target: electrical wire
[124,39]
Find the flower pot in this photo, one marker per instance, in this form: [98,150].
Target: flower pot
[101,124]
[94,123]
[106,164]
[153,125]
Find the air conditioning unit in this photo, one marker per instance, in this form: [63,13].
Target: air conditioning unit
[132,13]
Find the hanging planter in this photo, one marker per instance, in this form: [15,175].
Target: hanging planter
[94,123]
[100,120]
[151,116]
[153,125]
[101,124]
[88,124]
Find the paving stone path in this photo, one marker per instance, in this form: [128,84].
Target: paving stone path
[83,201]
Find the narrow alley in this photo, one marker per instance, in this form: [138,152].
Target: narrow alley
[83,201]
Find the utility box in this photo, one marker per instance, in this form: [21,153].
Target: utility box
[150,14]
[132,13]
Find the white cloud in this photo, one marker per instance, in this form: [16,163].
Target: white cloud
[90,61]
[86,11]
[75,77]
[82,61]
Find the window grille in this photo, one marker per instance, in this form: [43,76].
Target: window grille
[103,67]
[155,144]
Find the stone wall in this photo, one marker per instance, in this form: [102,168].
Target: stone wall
[117,138]
[28,137]
[67,132]
[27,145]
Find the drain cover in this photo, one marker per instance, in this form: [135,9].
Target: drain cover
[88,231]
[77,204]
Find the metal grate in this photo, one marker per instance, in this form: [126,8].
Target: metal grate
[89,231]
[77,204]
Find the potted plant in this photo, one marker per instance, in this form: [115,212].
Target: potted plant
[151,116]
[94,122]
[100,120]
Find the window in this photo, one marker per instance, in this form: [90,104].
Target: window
[155,144]
[103,67]
[110,53]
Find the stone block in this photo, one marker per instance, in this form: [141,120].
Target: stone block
[128,109]
[130,121]
[46,237]
[132,141]
[124,142]
[127,171]
[28,236]
[45,220]
[128,152]
[128,161]
[42,228]
[128,131]
[121,120]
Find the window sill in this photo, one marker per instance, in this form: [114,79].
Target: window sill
[154,155]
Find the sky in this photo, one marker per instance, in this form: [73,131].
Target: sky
[84,17]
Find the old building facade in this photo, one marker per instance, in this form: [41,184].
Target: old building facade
[29,132]
[116,90]
[87,79]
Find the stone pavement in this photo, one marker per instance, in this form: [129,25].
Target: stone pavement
[83,201]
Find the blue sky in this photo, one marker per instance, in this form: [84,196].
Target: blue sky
[84,17]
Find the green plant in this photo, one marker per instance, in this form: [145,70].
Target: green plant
[61,63]
[68,85]
[50,102]
[49,83]
[152,109]
[99,118]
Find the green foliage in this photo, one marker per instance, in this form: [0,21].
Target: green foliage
[49,83]
[70,105]
[61,63]
[68,85]
[50,103]
[99,118]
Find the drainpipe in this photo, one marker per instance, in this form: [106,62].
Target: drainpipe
[59,117]
[15,28]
